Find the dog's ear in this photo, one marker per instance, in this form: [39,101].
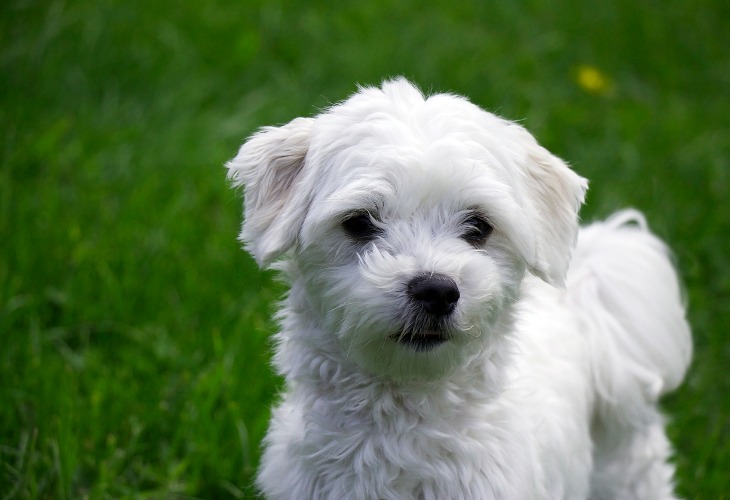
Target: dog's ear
[268,165]
[555,194]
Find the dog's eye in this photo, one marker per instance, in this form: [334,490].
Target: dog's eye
[360,226]
[478,229]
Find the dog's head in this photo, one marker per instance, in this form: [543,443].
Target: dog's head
[410,222]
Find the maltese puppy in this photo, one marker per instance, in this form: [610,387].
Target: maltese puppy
[449,331]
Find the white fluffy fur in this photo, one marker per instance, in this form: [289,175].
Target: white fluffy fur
[548,386]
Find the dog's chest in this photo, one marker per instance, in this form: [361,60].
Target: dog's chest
[375,452]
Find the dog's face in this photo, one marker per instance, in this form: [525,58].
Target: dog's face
[410,223]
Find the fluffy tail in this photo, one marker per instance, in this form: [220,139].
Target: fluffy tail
[625,286]
[623,280]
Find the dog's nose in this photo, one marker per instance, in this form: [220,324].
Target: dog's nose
[436,293]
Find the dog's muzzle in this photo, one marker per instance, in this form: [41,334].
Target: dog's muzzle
[434,298]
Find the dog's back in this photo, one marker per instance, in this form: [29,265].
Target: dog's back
[624,284]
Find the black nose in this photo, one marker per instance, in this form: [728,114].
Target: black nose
[436,293]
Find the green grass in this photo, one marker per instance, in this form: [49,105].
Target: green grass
[133,330]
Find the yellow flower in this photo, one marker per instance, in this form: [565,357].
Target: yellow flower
[592,80]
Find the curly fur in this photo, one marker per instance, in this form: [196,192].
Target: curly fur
[548,382]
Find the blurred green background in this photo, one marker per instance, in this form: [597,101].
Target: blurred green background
[133,329]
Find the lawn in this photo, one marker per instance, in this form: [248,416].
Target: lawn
[134,331]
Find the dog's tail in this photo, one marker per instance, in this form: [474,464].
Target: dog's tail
[624,282]
[624,285]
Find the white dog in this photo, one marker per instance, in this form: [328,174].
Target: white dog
[438,340]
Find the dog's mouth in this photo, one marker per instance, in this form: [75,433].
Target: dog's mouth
[422,341]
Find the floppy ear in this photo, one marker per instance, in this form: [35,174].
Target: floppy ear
[555,194]
[268,166]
